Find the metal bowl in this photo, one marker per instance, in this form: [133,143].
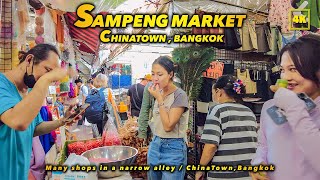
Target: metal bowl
[109,156]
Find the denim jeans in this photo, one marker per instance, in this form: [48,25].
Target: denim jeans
[169,152]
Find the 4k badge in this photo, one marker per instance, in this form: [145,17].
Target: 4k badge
[299,19]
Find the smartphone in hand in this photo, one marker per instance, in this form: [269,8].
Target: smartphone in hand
[79,111]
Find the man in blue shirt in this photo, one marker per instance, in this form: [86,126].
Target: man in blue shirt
[20,120]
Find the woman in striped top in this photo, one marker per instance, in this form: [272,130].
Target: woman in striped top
[230,131]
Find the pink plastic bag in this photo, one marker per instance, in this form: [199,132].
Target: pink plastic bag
[110,135]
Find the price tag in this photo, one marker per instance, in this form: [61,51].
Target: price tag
[52,90]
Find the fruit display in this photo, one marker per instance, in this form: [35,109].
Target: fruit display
[77,148]
[80,147]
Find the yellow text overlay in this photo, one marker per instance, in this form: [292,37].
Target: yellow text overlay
[161,168]
[86,19]
[230,168]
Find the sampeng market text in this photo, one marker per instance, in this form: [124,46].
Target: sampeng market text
[86,20]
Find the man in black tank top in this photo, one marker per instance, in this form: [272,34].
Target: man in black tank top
[135,95]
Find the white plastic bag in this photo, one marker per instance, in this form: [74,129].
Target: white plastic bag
[74,160]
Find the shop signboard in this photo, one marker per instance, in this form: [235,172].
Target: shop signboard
[214,71]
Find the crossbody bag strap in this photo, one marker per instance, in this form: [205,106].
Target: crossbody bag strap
[134,101]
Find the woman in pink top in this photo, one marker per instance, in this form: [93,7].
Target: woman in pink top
[294,146]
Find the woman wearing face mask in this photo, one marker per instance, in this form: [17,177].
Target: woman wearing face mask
[20,117]
[229,133]
[293,147]
[169,122]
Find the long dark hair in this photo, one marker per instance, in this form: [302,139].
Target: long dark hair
[40,53]
[230,84]
[305,55]
[166,63]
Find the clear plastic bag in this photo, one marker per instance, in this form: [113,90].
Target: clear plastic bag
[95,131]
[110,135]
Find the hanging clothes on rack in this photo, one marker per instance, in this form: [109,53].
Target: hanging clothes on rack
[248,36]
[228,69]
[263,37]
[46,140]
[288,38]
[261,77]
[251,87]
[274,41]
[278,14]
[231,38]
[205,96]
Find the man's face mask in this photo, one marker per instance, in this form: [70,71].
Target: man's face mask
[29,80]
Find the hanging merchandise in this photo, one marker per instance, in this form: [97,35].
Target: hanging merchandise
[274,41]
[287,38]
[6,35]
[49,34]
[248,36]
[64,83]
[231,39]
[214,71]
[23,17]
[47,140]
[205,94]
[126,69]
[69,53]
[278,14]
[263,37]
[243,75]
[72,93]
[39,30]
[197,57]
[228,68]
[59,27]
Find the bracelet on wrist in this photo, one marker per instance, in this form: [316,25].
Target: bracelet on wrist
[161,104]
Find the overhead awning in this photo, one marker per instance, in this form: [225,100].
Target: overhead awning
[161,7]
[83,67]
[87,39]
[221,6]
